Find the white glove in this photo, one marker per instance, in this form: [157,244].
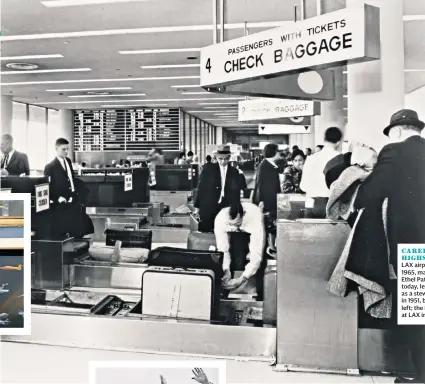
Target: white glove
[61,200]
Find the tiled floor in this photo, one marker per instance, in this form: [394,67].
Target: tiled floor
[23,363]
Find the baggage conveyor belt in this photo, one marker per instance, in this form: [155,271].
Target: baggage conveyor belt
[89,318]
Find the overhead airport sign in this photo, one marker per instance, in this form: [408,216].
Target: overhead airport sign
[279,129]
[273,109]
[345,36]
[297,121]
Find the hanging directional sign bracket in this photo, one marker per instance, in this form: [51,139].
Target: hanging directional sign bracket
[286,87]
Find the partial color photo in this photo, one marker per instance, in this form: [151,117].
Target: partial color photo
[134,373]
[11,265]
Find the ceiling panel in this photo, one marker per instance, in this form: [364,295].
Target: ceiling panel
[36,18]
[414,7]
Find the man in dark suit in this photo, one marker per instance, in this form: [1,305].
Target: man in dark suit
[267,187]
[216,183]
[267,184]
[399,176]
[13,163]
[65,206]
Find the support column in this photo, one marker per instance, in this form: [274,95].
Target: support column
[61,125]
[6,114]
[332,112]
[219,135]
[377,89]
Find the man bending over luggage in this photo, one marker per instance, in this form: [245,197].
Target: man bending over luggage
[242,250]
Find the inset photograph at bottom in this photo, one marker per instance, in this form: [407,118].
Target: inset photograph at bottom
[158,372]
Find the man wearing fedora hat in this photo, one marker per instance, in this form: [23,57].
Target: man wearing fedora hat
[216,183]
[399,175]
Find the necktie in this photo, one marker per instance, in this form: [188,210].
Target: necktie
[5,161]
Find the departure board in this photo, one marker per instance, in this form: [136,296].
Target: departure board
[138,129]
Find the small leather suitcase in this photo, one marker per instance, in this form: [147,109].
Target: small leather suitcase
[201,241]
[130,238]
[178,293]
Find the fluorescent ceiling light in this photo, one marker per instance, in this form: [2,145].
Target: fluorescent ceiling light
[210,112]
[186,86]
[23,72]
[123,95]
[217,119]
[414,70]
[345,96]
[131,101]
[220,107]
[150,51]
[198,93]
[413,17]
[215,103]
[170,66]
[100,80]
[70,3]
[136,105]
[31,57]
[137,31]
[88,89]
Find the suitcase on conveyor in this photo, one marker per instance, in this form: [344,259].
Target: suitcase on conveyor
[178,293]
[129,238]
[128,255]
[187,258]
[201,241]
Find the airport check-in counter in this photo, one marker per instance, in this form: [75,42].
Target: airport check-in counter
[174,184]
[318,331]
[112,204]
[106,187]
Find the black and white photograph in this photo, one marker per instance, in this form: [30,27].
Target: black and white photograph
[233,182]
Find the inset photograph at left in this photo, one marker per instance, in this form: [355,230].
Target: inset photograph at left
[15,260]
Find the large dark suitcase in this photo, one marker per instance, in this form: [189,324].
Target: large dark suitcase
[201,241]
[187,258]
[130,238]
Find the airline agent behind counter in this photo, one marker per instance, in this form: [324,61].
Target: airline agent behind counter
[246,218]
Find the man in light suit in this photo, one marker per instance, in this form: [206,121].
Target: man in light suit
[13,163]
